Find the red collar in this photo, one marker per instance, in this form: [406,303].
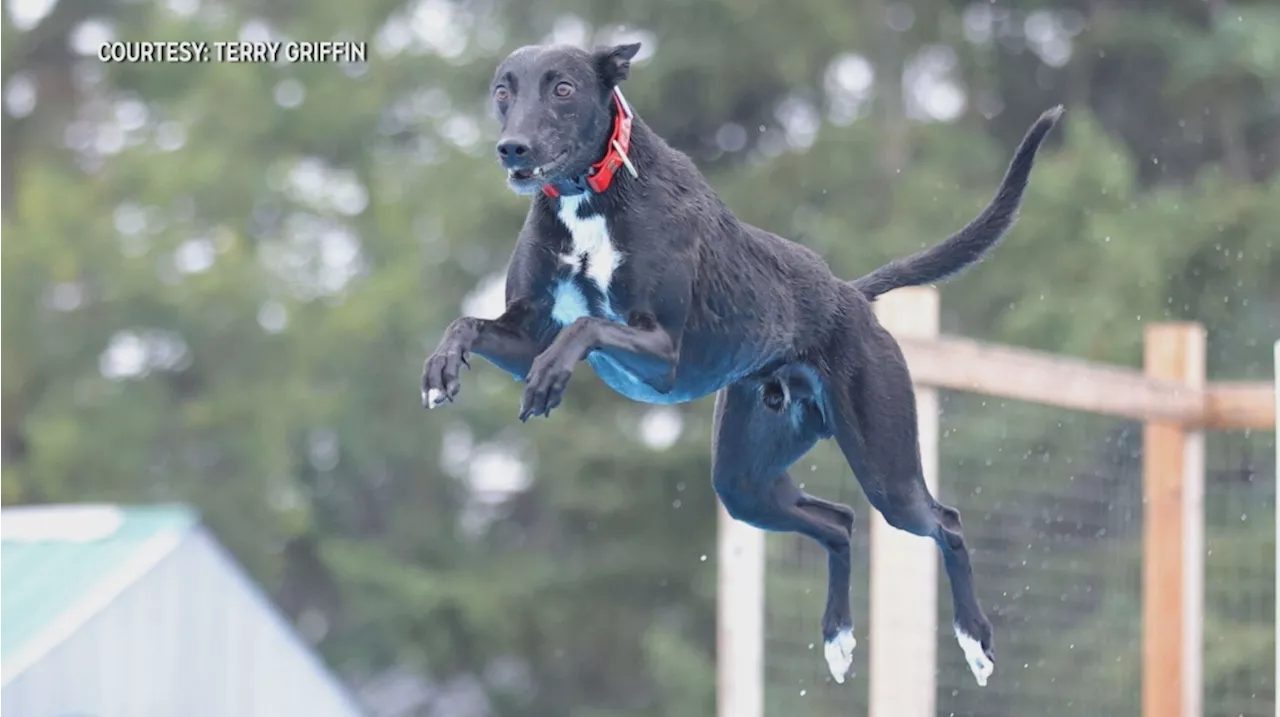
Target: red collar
[600,176]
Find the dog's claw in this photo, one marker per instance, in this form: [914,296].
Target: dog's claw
[434,397]
[544,389]
[979,663]
[839,653]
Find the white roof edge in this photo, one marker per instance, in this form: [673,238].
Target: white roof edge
[73,523]
[154,550]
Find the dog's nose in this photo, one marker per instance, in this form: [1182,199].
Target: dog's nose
[513,149]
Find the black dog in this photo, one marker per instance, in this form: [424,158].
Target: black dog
[628,260]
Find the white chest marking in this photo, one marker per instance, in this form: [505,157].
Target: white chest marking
[592,248]
[570,304]
[591,243]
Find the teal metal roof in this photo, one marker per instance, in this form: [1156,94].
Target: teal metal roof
[63,563]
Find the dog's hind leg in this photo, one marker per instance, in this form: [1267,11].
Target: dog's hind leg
[875,426]
[754,444]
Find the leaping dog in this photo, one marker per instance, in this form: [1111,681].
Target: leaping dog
[629,261]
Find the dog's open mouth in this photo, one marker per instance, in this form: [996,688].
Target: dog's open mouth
[523,174]
[539,172]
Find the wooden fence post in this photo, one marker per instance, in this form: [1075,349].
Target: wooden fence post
[903,632]
[1173,534]
[1275,382]
[740,563]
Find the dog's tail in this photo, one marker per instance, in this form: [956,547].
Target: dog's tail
[968,245]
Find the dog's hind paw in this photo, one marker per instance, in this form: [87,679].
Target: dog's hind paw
[839,653]
[979,663]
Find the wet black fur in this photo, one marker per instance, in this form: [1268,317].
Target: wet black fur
[714,305]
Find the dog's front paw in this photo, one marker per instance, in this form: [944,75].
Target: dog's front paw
[440,375]
[440,371]
[544,386]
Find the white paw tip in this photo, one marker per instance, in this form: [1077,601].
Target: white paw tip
[839,653]
[975,657]
[433,398]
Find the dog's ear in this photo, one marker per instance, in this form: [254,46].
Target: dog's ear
[614,63]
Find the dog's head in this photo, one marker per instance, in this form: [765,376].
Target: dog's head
[555,105]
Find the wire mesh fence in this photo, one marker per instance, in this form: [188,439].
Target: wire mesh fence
[1240,579]
[1051,503]
[1052,508]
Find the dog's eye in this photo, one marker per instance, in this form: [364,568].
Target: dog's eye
[564,89]
[501,94]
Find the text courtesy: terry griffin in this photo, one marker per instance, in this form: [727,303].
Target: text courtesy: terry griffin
[327,51]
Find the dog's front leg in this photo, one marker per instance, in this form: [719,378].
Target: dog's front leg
[646,349]
[509,342]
